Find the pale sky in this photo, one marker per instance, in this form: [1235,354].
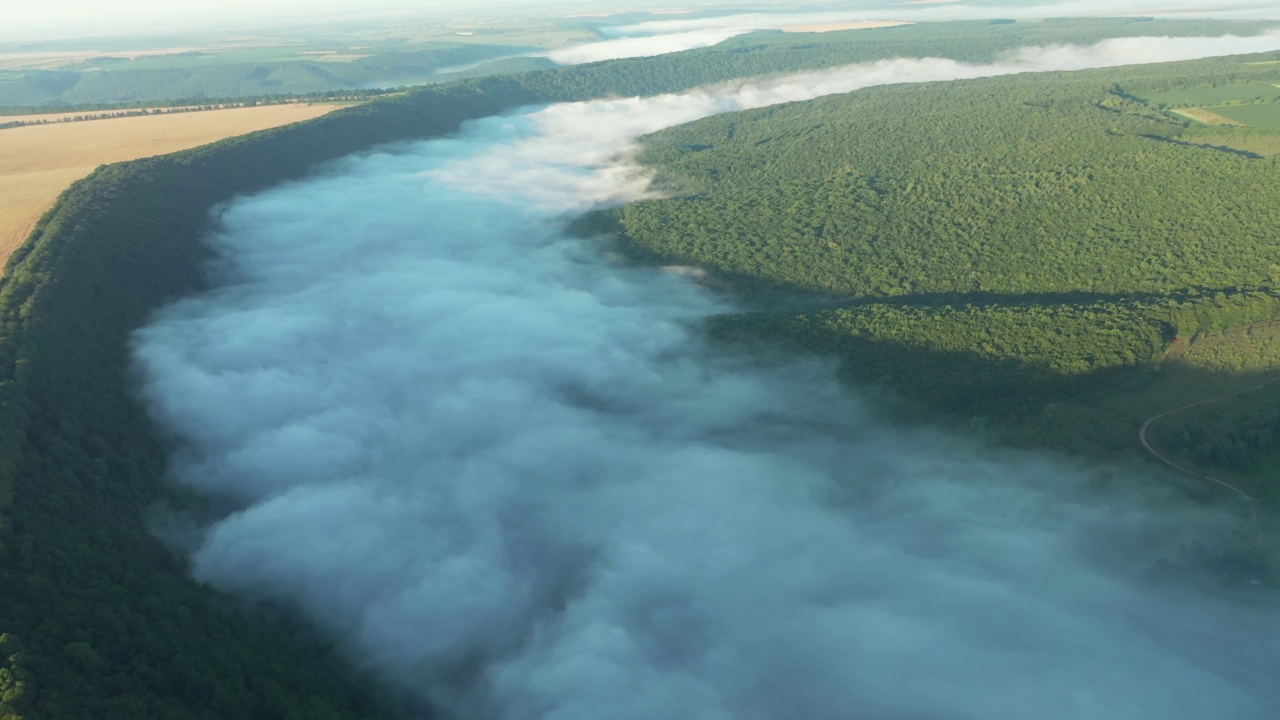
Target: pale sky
[30,19]
[46,19]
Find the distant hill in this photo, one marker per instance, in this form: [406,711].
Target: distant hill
[256,72]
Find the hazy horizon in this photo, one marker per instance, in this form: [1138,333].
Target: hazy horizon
[58,20]
[77,19]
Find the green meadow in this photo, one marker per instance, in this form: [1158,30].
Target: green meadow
[1264,116]
[1223,94]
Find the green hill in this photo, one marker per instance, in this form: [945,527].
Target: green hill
[983,247]
[257,72]
[1025,184]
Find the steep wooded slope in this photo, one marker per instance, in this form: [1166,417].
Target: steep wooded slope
[1007,240]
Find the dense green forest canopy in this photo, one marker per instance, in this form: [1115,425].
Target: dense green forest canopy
[98,619]
[983,357]
[984,246]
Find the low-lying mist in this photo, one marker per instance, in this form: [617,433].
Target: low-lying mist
[505,470]
[656,37]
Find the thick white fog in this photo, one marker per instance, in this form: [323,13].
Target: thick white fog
[656,37]
[506,472]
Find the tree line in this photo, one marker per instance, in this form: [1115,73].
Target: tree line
[143,112]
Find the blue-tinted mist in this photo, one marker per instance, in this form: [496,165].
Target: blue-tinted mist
[504,469]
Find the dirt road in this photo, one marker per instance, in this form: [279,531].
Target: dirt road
[1146,443]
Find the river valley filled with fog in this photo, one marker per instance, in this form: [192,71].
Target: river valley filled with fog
[506,471]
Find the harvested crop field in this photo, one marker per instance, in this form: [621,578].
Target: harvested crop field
[57,59]
[40,161]
[1206,116]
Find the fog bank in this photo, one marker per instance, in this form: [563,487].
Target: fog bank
[508,474]
[656,37]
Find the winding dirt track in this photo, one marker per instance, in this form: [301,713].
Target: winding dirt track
[1142,436]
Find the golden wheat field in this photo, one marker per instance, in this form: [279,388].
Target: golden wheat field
[38,162]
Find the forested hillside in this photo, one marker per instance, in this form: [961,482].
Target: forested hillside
[762,54]
[196,76]
[980,357]
[191,80]
[1025,184]
[997,243]
[98,619]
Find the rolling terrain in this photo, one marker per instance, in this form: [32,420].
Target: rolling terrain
[294,63]
[1007,202]
[100,619]
[293,66]
[1041,256]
